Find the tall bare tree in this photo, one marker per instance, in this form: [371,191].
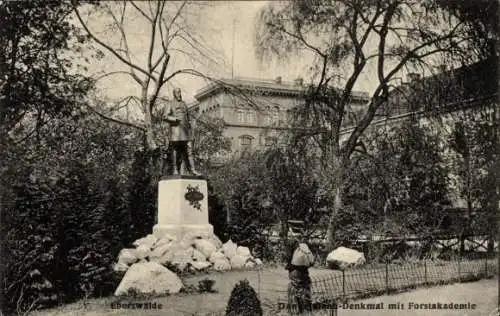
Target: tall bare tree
[173,36]
[349,39]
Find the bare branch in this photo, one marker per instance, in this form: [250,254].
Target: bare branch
[119,25]
[376,101]
[301,38]
[141,11]
[177,14]
[160,82]
[381,47]
[153,37]
[109,48]
[140,128]
[359,59]
[196,48]
[114,73]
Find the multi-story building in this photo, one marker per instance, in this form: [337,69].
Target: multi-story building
[457,99]
[255,112]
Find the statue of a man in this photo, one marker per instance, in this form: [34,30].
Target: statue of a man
[181,134]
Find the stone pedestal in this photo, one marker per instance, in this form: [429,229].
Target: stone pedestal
[182,207]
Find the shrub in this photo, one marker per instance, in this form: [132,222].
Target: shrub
[243,301]
[206,285]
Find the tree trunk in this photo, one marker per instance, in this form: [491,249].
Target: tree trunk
[469,204]
[148,119]
[284,235]
[156,157]
[337,195]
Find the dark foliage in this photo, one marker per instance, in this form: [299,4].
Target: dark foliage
[142,197]
[67,217]
[36,83]
[243,301]
[482,19]
[217,215]
[206,286]
[400,189]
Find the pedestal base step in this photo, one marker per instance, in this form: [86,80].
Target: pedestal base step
[179,231]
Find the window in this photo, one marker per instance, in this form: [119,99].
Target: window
[240,116]
[250,117]
[267,119]
[246,142]
[275,117]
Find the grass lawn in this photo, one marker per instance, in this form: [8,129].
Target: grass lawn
[270,283]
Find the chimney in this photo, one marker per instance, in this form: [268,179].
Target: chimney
[413,76]
[277,80]
[299,82]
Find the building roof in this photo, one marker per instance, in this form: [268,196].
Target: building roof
[448,90]
[260,86]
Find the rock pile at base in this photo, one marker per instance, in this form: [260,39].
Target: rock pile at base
[191,252]
[148,266]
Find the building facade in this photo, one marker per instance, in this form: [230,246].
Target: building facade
[256,112]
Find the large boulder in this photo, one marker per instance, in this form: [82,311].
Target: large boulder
[182,258]
[238,262]
[159,251]
[243,252]
[189,239]
[217,256]
[184,244]
[142,251]
[344,258]
[229,249]
[120,267]
[167,258]
[250,264]
[164,241]
[200,265]
[149,277]
[221,265]
[205,247]
[214,240]
[127,256]
[148,241]
[198,256]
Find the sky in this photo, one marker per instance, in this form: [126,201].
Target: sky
[217,24]
[226,29]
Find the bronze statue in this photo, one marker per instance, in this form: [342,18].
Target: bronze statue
[181,134]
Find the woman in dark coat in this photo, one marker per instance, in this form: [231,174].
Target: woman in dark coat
[299,288]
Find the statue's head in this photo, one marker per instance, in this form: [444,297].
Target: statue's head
[177,94]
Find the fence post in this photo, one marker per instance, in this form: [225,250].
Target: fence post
[343,284]
[486,266]
[258,284]
[387,276]
[425,271]
[459,270]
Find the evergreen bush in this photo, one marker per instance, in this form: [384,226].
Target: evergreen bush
[243,301]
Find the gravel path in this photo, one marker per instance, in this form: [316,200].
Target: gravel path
[484,294]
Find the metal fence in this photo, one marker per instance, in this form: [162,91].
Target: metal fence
[343,285]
